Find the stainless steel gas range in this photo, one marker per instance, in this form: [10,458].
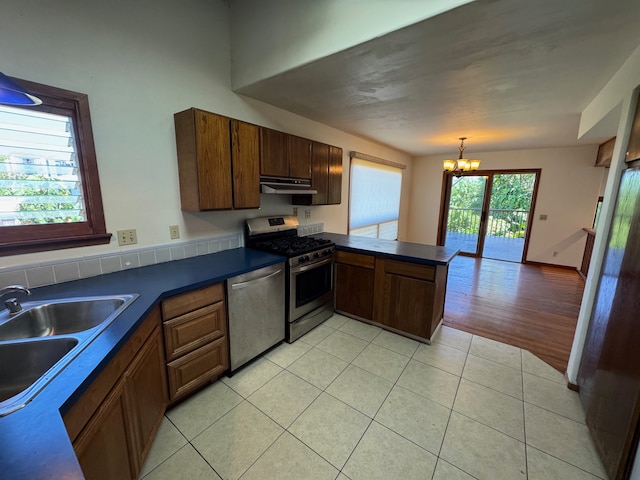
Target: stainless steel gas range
[309,279]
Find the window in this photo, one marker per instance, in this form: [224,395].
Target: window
[374,197]
[49,186]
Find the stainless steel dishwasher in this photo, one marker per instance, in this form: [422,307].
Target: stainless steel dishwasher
[256,313]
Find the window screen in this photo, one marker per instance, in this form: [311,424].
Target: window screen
[39,176]
[374,199]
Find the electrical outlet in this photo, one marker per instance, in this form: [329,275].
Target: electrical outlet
[174,231]
[295,211]
[307,214]
[127,237]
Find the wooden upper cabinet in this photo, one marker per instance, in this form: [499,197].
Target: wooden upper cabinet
[299,157]
[245,156]
[218,161]
[633,148]
[320,178]
[334,189]
[326,177]
[605,153]
[274,153]
[204,160]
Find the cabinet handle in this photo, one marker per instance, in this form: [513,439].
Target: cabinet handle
[244,284]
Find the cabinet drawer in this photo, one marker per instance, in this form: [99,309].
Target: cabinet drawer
[194,329]
[197,368]
[413,270]
[187,302]
[356,259]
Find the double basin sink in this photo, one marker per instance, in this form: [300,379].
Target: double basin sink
[37,343]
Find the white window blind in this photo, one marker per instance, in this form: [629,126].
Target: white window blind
[39,176]
[374,201]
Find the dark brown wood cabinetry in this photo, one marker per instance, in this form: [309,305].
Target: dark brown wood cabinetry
[354,284]
[409,297]
[274,153]
[299,157]
[402,296]
[195,327]
[326,177]
[633,147]
[283,155]
[245,164]
[334,187]
[217,170]
[113,424]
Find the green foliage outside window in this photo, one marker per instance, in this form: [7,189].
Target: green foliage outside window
[508,212]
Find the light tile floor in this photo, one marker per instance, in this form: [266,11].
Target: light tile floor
[352,401]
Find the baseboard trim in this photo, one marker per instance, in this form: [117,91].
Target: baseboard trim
[542,264]
[571,386]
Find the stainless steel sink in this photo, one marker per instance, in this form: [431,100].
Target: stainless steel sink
[61,317]
[39,342]
[23,363]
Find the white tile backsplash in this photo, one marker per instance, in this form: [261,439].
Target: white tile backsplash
[48,273]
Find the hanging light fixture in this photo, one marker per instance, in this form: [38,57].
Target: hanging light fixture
[461,165]
[13,94]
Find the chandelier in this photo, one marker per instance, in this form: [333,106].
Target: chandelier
[461,165]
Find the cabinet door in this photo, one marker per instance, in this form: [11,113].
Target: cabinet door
[245,157]
[633,147]
[195,369]
[354,290]
[146,394]
[274,153]
[407,304]
[103,448]
[194,329]
[204,160]
[320,177]
[299,157]
[334,188]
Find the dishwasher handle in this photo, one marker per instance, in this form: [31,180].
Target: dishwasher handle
[259,279]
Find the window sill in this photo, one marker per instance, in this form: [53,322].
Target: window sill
[45,244]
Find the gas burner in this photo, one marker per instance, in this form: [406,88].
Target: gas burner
[292,246]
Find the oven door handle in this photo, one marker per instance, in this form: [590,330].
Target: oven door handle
[304,268]
[259,279]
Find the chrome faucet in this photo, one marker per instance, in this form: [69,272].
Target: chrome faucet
[12,304]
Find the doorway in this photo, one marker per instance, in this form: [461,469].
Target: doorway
[487,213]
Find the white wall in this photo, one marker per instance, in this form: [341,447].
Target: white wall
[140,62]
[302,31]
[568,192]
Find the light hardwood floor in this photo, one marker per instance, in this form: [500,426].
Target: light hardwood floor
[532,307]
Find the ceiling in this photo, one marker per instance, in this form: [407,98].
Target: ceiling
[503,74]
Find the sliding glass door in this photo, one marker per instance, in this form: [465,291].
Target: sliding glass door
[486,214]
[465,213]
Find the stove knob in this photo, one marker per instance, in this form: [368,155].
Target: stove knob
[316,255]
[303,258]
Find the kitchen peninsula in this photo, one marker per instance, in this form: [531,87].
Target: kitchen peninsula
[398,286]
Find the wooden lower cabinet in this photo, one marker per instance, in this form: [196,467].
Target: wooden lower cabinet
[196,368]
[195,332]
[354,282]
[146,394]
[409,297]
[405,297]
[104,447]
[113,424]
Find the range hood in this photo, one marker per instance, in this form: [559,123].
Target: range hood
[285,186]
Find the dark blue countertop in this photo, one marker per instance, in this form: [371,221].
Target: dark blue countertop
[405,251]
[33,440]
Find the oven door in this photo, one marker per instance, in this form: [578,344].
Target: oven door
[310,286]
